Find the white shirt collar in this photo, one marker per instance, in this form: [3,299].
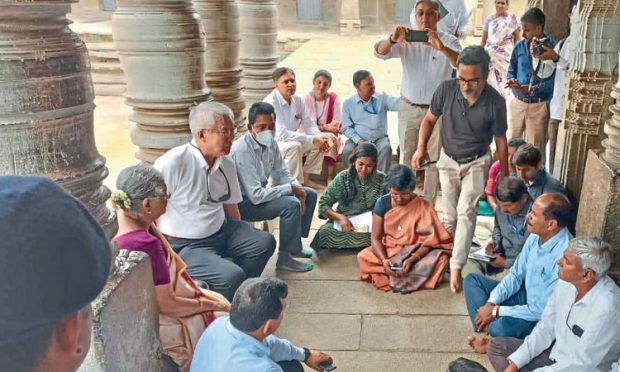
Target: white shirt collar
[199,157]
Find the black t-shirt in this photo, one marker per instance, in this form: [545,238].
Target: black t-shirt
[383,205]
[468,131]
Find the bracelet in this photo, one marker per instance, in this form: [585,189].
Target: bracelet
[391,41]
[495,312]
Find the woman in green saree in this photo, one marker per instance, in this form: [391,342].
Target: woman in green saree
[355,190]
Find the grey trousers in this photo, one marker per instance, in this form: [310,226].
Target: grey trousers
[291,366]
[500,348]
[249,249]
[293,224]
[384,161]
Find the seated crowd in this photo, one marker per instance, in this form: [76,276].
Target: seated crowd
[541,301]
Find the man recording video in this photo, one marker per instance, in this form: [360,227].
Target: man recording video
[531,81]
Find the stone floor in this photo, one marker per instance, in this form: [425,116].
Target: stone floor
[329,309]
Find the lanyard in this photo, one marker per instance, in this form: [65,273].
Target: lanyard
[316,109]
[531,87]
[372,104]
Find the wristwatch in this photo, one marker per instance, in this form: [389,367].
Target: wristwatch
[306,354]
[495,312]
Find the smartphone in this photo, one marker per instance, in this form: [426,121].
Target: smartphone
[416,36]
[326,366]
[396,268]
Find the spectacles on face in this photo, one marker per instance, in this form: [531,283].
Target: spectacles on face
[222,198]
[429,13]
[226,133]
[472,82]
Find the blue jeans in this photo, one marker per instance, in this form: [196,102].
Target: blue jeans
[477,289]
[293,224]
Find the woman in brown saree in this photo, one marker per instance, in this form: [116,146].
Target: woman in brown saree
[185,309]
[409,246]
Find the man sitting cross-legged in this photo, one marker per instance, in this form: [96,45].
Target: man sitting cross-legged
[510,231]
[258,159]
[244,340]
[202,220]
[512,307]
[578,330]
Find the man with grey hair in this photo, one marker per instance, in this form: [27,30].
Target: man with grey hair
[202,221]
[425,66]
[579,327]
[473,115]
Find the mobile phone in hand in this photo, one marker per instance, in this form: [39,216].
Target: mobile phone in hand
[396,267]
[416,36]
[327,366]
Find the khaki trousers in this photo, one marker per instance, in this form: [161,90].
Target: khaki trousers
[294,152]
[462,185]
[530,119]
[409,121]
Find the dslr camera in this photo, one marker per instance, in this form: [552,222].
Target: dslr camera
[537,45]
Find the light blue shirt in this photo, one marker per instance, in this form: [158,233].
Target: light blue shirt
[367,121]
[256,164]
[537,267]
[223,348]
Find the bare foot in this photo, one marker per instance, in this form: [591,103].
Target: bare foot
[315,185]
[456,281]
[478,343]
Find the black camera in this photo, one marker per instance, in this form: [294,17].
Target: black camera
[537,45]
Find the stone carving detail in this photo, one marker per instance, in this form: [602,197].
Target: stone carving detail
[612,130]
[162,51]
[593,43]
[220,19]
[46,106]
[259,56]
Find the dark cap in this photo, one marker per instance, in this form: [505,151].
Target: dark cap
[54,256]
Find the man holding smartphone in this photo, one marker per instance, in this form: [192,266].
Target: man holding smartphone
[531,81]
[425,66]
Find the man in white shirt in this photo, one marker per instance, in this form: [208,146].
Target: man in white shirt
[297,135]
[579,327]
[425,66]
[555,59]
[202,220]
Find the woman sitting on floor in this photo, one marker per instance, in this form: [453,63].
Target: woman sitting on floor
[355,190]
[185,309]
[409,246]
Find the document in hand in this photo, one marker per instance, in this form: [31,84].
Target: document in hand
[361,222]
[479,254]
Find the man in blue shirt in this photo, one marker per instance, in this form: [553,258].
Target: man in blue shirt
[510,229]
[529,165]
[244,340]
[531,81]
[364,119]
[512,307]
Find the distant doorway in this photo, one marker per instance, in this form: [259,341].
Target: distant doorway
[402,9]
[108,5]
[309,10]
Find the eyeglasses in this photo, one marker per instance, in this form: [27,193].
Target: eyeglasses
[429,13]
[222,198]
[227,133]
[472,83]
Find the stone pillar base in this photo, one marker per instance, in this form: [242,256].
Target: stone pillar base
[599,214]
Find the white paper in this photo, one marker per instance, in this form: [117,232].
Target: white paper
[480,255]
[361,222]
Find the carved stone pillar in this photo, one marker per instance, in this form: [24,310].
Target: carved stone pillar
[595,35]
[599,214]
[46,103]
[258,22]
[161,48]
[220,19]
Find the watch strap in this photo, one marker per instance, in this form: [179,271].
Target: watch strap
[306,354]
